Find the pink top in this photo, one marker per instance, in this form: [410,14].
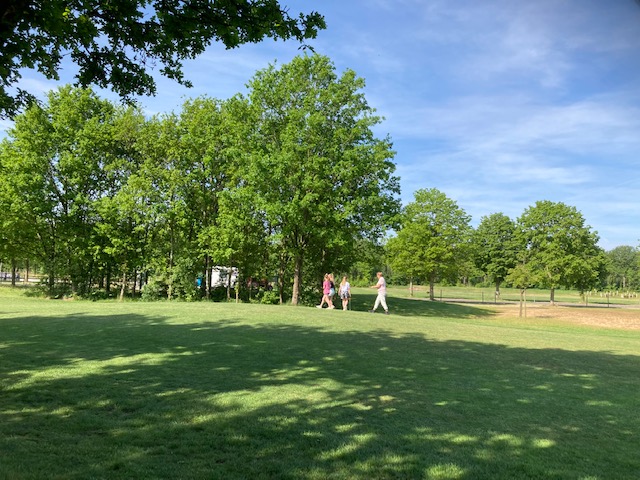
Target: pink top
[326,287]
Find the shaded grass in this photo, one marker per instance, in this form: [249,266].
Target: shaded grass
[169,390]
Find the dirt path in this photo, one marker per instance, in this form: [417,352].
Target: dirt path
[625,318]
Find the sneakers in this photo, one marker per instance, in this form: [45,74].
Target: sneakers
[386,312]
[332,306]
[372,311]
[318,306]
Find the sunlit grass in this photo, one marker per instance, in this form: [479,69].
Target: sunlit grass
[433,391]
[533,295]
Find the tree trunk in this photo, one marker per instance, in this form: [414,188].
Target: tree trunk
[170,279]
[521,300]
[432,283]
[411,287]
[123,286]
[108,279]
[207,277]
[52,274]
[297,279]
[553,296]
[14,267]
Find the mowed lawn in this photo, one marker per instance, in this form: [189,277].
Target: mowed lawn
[238,391]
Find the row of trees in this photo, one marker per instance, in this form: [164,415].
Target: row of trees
[287,180]
[548,246]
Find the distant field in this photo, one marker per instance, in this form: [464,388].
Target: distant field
[533,295]
[233,391]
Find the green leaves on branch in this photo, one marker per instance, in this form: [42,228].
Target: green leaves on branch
[115,43]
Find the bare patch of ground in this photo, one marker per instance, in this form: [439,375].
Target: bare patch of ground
[625,318]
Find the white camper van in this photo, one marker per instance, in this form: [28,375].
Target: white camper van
[220,276]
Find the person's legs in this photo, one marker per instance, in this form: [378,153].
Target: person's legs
[324,299]
[383,301]
[377,304]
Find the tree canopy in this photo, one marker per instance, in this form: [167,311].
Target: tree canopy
[560,246]
[495,247]
[433,242]
[319,174]
[115,43]
[285,182]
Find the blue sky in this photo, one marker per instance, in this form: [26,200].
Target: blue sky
[498,103]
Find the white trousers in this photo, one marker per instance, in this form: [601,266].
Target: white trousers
[381,300]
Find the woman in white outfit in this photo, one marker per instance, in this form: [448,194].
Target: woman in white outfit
[381,299]
[345,292]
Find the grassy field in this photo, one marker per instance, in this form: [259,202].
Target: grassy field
[533,295]
[196,390]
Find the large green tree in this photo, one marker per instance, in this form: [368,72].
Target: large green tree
[318,171]
[434,240]
[115,43]
[56,167]
[495,247]
[562,249]
[623,266]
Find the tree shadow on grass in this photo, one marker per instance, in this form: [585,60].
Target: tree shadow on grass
[135,396]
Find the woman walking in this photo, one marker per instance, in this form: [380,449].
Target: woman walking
[326,292]
[345,292]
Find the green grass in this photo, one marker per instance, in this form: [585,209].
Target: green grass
[434,391]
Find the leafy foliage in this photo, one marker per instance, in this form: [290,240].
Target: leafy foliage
[495,247]
[434,240]
[116,43]
[291,175]
[560,247]
[624,267]
[318,173]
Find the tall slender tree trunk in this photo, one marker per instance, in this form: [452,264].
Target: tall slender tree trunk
[297,279]
[14,268]
[170,282]
[108,279]
[135,283]
[123,286]
[553,296]
[432,284]
[207,277]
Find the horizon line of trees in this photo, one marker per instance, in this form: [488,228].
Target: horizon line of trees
[549,246]
[287,182]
